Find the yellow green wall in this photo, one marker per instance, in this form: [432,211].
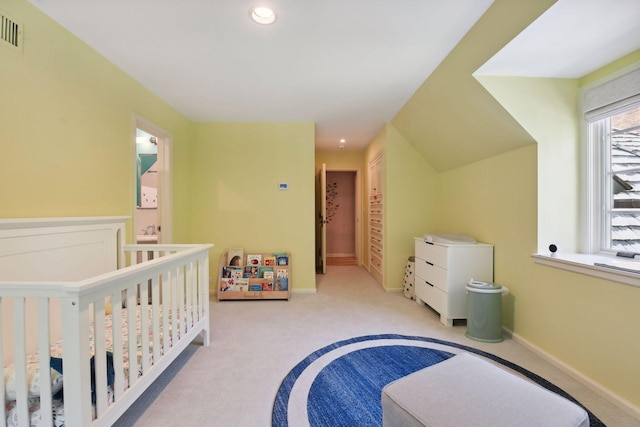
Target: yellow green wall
[521,201]
[235,172]
[67,149]
[66,128]
[410,204]
[583,322]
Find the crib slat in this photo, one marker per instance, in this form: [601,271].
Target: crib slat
[188,297]
[100,361]
[175,283]
[116,331]
[132,306]
[166,306]
[144,326]
[181,284]
[155,318]
[44,359]
[20,356]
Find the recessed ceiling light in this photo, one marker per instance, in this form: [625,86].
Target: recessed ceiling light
[342,141]
[263,15]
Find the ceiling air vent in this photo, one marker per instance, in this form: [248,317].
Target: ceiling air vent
[10,32]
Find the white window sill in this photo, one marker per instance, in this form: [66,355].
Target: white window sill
[585,264]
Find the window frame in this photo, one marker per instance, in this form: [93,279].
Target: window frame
[597,191]
[589,256]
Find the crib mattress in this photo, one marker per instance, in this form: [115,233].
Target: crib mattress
[57,378]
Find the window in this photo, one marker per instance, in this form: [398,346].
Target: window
[615,139]
[612,114]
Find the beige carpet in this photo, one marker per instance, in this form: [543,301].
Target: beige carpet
[256,343]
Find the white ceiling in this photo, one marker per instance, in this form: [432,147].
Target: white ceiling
[347,65]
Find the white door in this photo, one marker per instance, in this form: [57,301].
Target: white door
[323,218]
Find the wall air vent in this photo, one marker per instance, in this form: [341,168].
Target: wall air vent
[10,32]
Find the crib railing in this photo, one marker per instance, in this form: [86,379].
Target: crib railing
[166,285]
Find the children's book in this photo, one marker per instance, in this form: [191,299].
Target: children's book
[267,286]
[268,274]
[248,271]
[236,272]
[269,260]
[265,269]
[282,272]
[282,259]
[241,285]
[227,285]
[255,287]
[281,284]
[254,259]
[236,256]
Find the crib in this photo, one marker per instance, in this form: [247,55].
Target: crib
[63,283]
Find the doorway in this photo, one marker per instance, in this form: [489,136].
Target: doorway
[152,219]
[342,217]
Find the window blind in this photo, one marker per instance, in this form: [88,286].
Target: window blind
[624,89]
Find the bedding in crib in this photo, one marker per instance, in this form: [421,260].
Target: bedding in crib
[33,372]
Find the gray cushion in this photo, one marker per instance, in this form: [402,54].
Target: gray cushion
[466,390]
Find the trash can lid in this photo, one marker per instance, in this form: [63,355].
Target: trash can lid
[483,287]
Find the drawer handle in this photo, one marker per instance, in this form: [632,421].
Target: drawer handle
[430,263]
[428,283]
[428,243]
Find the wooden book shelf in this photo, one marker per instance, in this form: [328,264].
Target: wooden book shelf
[254,275]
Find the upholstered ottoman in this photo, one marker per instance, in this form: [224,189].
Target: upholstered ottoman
[466,390]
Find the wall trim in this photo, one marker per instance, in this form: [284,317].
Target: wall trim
[609,395]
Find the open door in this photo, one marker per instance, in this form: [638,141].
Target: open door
[153,222]
[323,218]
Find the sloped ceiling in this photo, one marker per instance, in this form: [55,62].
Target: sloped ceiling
[451,119]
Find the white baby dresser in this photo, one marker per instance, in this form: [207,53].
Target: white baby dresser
[444,265]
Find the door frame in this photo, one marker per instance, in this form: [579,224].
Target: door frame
[357,208]
[165,176]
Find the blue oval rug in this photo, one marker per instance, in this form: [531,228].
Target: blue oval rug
[341,384]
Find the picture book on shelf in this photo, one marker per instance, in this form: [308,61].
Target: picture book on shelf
[232,272]
[267,286]
[241,285]
[236,272]
[236,256]
[282,272]
[227,285]
[281,284]
[265,269]
[268,274]
[254,259]
[255,287]
[282,259]
[269,260]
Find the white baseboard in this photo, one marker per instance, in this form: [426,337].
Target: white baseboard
[304,291]
[614,398]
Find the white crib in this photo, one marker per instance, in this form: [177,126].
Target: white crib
[62,280]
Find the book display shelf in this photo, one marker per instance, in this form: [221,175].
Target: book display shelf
[254,275]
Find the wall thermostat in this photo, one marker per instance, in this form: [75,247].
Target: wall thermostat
[283,186]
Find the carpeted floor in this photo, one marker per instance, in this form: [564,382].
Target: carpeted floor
[255,344]
[341,384]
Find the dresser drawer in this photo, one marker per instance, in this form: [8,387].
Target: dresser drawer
[431,296]
[434,253]
[433,274]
